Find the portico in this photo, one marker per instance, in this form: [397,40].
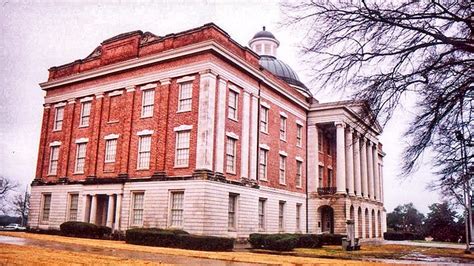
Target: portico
[102,209]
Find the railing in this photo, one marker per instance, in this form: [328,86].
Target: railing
[327,190]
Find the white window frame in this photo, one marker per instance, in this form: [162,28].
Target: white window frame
[183,105]
[43,207]
[264,111]
[58,118]
[178,209]
[142,152]
[298,217]
[263,164]
[52,160]
[80,157]
[185,146]
[282,170]
[85,113]
[149,105]
[110,154]
[261,214]
[299,173]
[233,110]
[299,135]
[281,216]
[134,210]
[283,128]
[233,212]
[320,175]
[70,209]
[232,154]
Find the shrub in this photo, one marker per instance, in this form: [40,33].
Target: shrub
[400,236]
[331,239]
[207,243]
[177,239]
[87,230]
[278,242]
[309,241]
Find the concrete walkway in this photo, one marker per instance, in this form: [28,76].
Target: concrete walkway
[424,244]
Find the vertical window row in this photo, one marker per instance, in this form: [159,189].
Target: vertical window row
[281,218]
[282,170]
[73,206]
[232,212]
[137,208]
[299,173]
[264,119]
[233,104]
[46,207]
[283,128]
[110,150]
[261,214]
[298,217]
[263,162]
[53,161]
[299,135]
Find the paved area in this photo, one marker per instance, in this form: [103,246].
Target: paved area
[425,244]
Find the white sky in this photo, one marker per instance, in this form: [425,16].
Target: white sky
[35,37]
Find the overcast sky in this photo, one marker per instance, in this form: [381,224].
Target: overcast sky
[34,37]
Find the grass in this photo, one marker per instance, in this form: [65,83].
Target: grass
[248,257]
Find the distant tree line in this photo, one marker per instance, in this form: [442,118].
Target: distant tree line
[442,223]
[14,202]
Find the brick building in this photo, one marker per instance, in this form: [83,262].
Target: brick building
[193,130]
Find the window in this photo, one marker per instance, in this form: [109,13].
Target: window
[320,141]
[230,154]
[233,103]
[281,218]
[232,212]
[176,214]
[282,128]
[137,208]
[73,204]
[282,169]
[329,177]
[298,217]
[185,96]
[264,119]
[58,118]
[182,148]
[261,214]
[110,150]
[299,135]
[53,161]
[148,99]
[144,149]
[262,172]
[80,157]
[320,176]
[46,207]
[85,114]
[299,173]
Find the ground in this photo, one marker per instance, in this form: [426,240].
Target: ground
[26,248]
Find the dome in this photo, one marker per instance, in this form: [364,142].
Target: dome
[281,70]
[264,34]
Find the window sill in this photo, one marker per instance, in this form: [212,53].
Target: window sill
[57,130]
[266,133]
[112,122]
[231,173]
[52,175]
[233,119]
[299,187]
[180,166]
[284,140]
[78,173]
[282,184]
[299,146]
[143,169]
[183,111]
[109,162]
[264,180]
[83,126]
[144,117]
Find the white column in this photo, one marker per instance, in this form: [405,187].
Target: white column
[253,138]
[85,208]
[358,184]
[206,115]
[370,168]
[93,209]
[381,183]
[313,158]
[244,148]
[220,130]
[340,159]
[376,173]
[110,210]
[350,162]
[363,166]
[118,210]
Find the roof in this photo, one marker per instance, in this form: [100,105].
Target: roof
[281,70]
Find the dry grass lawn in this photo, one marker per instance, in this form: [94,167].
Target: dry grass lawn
[228,256]
[27,255]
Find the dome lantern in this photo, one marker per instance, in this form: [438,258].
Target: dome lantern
[264,43]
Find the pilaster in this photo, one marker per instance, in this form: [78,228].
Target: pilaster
[363,149]
[350,162]
[340,159]
[254,123]
[244,158]
[370,169]
[220,130]
[357,174]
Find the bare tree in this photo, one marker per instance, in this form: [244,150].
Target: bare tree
[382,51]
[6,187]
[20,205]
